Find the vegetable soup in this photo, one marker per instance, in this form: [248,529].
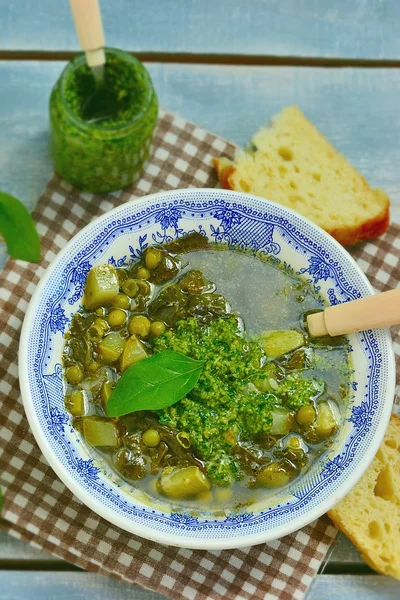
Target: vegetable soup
[193,375]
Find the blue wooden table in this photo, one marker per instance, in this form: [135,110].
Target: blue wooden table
[227,65]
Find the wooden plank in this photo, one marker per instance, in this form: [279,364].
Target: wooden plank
[343,555]
[343,552]
[42,585]
[15,550]
[353,587]
[307,28]
[356,108]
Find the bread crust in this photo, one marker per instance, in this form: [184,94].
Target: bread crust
[347,236]
[224,172]
[366,231]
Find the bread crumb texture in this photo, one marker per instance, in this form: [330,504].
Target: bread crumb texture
[291,163]
[370,514]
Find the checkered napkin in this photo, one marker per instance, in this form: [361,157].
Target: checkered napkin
[40,509]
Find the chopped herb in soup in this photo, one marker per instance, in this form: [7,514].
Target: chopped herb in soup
[193,375]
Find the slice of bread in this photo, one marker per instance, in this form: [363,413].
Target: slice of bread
[370,514]
[294,165]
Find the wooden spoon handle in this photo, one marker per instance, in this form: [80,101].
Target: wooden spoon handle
[378,310]
[87,18]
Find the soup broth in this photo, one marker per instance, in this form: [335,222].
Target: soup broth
[269,399]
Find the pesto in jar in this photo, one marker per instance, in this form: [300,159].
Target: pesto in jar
[104,154]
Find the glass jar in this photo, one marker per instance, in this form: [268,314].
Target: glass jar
[106,155]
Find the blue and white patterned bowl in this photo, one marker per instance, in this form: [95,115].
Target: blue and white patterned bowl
[231,218]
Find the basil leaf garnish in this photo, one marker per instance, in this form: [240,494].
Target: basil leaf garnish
[18,229]
[154,383]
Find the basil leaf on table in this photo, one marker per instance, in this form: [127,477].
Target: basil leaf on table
[18,229]
[154,383]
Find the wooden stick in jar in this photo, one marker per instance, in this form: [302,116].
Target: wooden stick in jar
[89,27]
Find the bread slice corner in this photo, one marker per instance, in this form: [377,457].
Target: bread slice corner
[370,513]
[292,163]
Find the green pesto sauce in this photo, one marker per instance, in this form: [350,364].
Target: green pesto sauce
[125,91]
[105,154]
[222,407]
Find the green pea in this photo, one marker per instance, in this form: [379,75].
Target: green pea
[293,443]
[305,415]
[74,374]
[93,366]
[139,325]
[152,258]
[144,287]
[122,301]
[130,288]
[151,438]
[157,328]
[143,273]
[116,318]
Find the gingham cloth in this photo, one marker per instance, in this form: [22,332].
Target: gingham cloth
[38,508]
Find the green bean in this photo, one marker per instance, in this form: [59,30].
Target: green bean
[97,330]
[183,439]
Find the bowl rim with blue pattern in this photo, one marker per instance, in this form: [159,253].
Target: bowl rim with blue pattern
[225,217]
